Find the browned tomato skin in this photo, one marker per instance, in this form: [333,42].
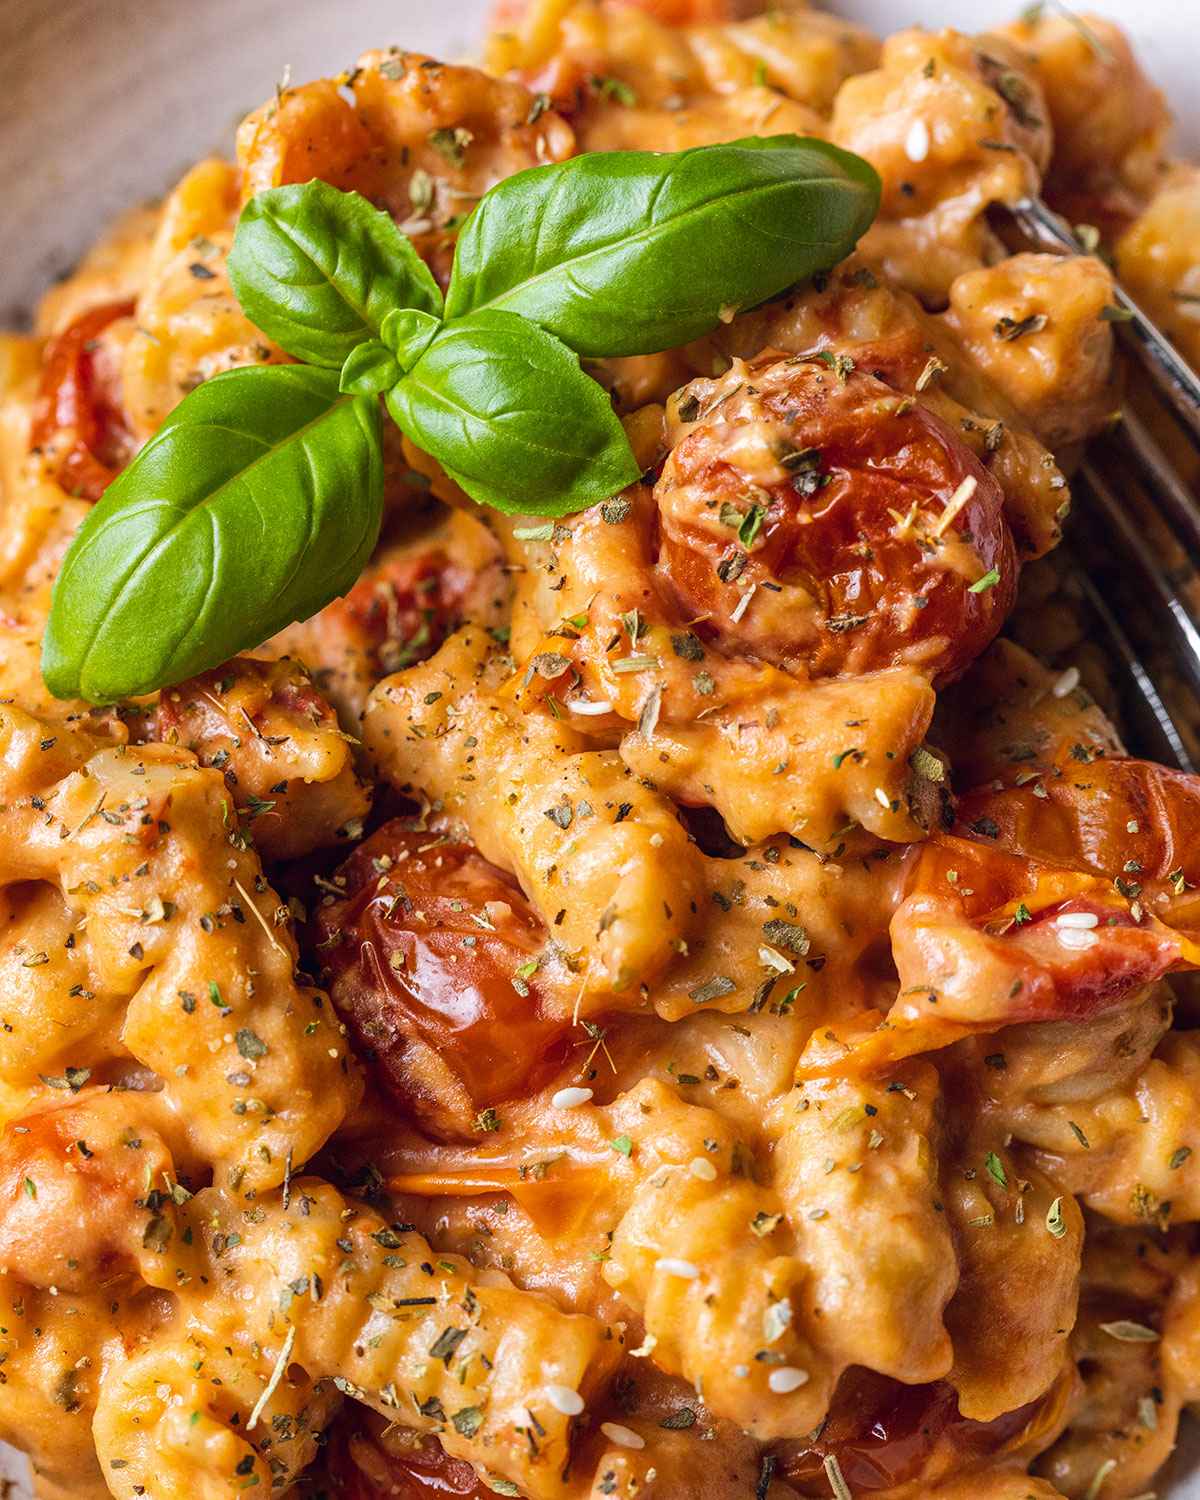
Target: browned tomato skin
[1110,816]
[882,595]
[883,1434]
[435,938]
[425,1473]
[72,399]
[979,943]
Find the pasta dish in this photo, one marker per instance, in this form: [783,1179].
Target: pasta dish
[577,919]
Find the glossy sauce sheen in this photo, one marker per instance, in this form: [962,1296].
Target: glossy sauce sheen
[422,1473]
[883,1434]
[430,944]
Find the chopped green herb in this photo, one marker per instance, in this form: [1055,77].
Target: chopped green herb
[995,1169]
[712,989]
[1009,329]
[249,1044]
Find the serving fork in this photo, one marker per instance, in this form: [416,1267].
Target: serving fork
[1133,546]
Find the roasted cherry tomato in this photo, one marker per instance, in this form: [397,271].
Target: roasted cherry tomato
[76,402]
[868,533]
[403,611]
[1128,821]
[986,938]
[1057,949]
[434,944]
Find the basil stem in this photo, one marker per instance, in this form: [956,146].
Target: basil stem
[630,252]
[257,503]
[318,270]
[512,418]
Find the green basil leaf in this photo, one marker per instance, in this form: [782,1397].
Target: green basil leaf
[370,370]
[630,252]
[506,410]
[318,270]
[257,503]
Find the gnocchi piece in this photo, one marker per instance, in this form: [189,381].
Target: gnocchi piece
[953,124]
[628,74]
[856,1175]
[603,859]
[186,928]
[475,1362]
[1013,1227]
[741,1325]
[285,763]
[1110,122]
[838,754]
[1036,324]
[1158,257]
[422,138]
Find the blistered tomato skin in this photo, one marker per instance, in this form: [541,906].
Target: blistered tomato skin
[869,534]
[76,408]
[433,945]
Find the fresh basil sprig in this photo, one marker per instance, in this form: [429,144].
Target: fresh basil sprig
[260,499]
